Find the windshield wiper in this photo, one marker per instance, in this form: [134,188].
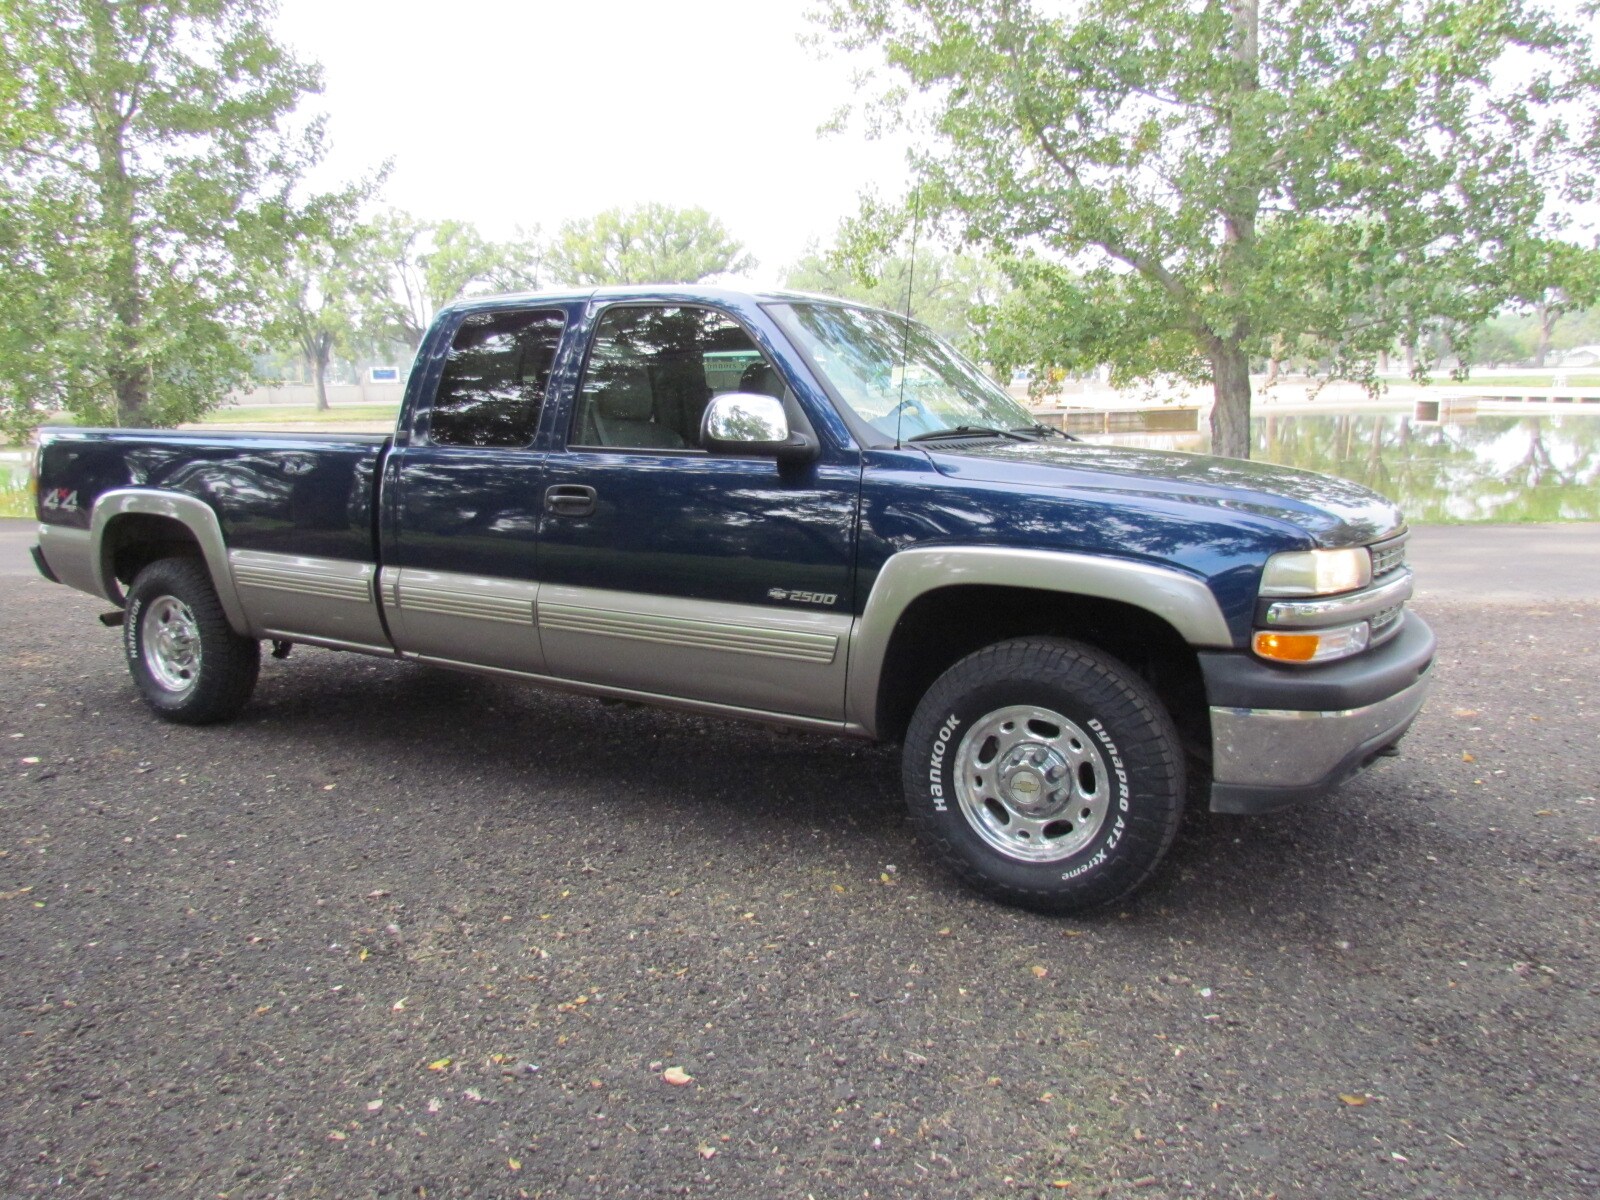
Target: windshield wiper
[1046,430]
[960,431]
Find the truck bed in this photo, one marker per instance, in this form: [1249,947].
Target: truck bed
[312,494]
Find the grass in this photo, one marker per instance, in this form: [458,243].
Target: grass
[300,414]
[1547,380]
[16,498]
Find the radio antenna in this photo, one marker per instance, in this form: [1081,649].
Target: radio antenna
[905,336]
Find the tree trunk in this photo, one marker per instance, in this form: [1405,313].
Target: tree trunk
[129,378]
[1411,358]
[322,350]
[1547,324]
[1230,409]
[1230,365]
[1383,362]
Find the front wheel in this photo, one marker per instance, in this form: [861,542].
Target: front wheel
[189,664]
[1045,773]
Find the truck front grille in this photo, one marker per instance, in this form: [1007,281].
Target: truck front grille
[1389,556]
[1385,623]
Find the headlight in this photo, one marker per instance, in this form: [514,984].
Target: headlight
[1317,572]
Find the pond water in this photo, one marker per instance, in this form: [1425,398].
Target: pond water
[1491,468]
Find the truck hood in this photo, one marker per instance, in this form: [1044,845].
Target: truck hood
[1334,512]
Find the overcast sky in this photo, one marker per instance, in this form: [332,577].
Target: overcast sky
[508,112]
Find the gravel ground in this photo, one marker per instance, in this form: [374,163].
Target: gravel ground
[402,933]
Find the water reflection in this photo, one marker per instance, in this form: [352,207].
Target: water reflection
[1494,468]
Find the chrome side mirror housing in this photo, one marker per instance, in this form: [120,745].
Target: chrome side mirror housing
[753,424]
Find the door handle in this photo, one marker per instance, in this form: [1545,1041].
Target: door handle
[569,500]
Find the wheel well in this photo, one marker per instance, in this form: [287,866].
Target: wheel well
[942,627]
[134,541]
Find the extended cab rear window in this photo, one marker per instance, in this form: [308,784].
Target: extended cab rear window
[495,377]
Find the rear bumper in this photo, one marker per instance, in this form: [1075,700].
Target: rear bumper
[1279,736]
[65,555]
[41,565]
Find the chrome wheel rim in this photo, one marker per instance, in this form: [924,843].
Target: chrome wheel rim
[170,638]
[1032,784]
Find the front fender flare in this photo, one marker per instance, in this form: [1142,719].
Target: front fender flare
[1180,599]
[194,514]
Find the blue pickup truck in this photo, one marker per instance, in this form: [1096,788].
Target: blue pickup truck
[790,509]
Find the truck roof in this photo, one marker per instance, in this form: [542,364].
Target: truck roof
[686,292]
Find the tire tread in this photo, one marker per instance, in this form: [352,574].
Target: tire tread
[229,665]
[1125,700]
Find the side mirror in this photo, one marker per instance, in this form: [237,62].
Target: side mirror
[752,423]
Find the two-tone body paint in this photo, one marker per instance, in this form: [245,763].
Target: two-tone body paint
[730,582]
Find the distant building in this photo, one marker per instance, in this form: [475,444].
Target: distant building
[1581,356]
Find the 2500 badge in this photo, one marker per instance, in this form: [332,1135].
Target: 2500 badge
[802,597]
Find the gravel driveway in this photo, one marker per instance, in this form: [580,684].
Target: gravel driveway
[403,933]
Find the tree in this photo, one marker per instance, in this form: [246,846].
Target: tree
[149,161]
[1182,185]
[1555,278]
[653,243]
[951,293]
[432,263]
[329,292]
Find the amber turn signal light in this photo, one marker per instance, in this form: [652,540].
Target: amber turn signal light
[1287,647]
[1310,646]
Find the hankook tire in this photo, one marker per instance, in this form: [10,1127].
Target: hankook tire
[189,664]
[1045,773]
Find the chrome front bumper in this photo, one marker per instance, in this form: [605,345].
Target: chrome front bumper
[1267,754]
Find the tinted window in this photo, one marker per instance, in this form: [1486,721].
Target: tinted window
[652,371]
[495,378]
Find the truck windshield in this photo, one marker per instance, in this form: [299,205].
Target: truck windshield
[897,376]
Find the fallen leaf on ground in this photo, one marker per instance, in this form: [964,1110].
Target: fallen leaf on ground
[337,1136]
[1353,1099]
[1468,758]
[439,1064]
[374,1105]
[706,1151]
[514,1163]
[677,1076]
[1039,972]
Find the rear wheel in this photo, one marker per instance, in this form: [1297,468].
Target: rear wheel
[189,664]
[1045,773]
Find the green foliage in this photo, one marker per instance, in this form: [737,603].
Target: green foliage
[952,294]
[1554,278]
[148,162]
[431,263]
[328,293]
[1497,343]
[1185,185]
[653,243]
